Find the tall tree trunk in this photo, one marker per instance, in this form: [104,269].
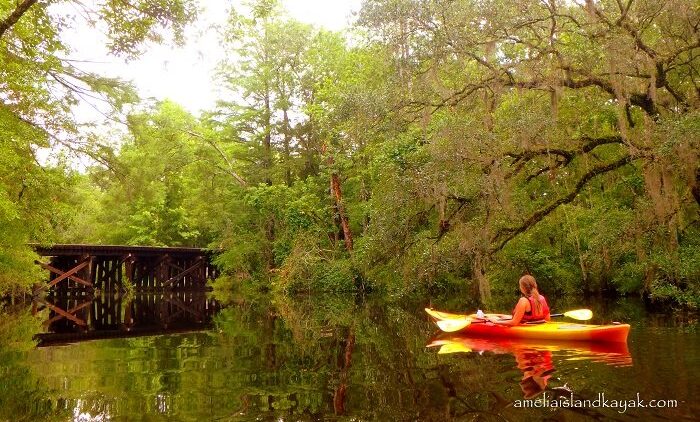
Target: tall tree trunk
[267,140]
[696,187]
[267,164]
[482,281]
[310,144]
[287,149]
[338,197]
[310,162]
[269,252]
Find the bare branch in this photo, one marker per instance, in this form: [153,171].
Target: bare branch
[229,170]
[19,11]
[589,144]
[623,23]
[668,60]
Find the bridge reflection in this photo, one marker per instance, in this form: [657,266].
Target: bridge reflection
[75,318]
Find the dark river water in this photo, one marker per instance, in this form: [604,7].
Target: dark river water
[187,357]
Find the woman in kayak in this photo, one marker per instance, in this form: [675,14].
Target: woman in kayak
[531,307]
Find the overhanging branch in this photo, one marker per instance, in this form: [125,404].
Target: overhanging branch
[564,156]
[229,165]
[505,235]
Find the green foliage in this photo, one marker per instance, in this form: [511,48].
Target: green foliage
[676,273]
[40,196]
[319,276]
[456,143]
[143,20]
[24,395]
[34,205]
[554,273]
[669,293]
[520,173]
[149,200]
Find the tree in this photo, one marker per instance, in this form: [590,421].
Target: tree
[276,70]
[39,86]
[148,200]
[537,103]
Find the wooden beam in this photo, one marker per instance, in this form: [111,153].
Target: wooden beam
[88,273]
[71,311]
[111,273]
[130,267]
[64,275]
[183,273]
[146,267]
[63,313]
[177,267]
[183,306]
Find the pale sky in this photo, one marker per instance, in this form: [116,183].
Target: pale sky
[184,74]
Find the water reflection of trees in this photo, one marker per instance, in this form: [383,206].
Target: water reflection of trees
[339,358]
[299,359]
[368,361]
[23,397]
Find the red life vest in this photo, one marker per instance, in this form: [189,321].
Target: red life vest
[530,315]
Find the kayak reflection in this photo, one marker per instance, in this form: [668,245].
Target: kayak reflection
[532,357]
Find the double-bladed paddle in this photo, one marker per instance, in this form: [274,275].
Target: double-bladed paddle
[450,325]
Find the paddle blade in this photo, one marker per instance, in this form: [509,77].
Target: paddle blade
[455,347]
[438,315]
[433,313]
[452,325]
[580,314]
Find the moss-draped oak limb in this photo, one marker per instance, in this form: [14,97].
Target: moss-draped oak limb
[505,235]
[565,156]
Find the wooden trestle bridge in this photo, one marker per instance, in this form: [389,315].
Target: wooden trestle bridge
[84,268]
[83,292]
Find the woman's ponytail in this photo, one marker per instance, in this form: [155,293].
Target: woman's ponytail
[538,305]
[529,285]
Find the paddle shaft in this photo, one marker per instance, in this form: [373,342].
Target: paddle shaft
[478,320]
[580,314]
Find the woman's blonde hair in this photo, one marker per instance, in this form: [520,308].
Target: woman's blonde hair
[528,284]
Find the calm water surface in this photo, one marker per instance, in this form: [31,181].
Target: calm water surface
[188,358]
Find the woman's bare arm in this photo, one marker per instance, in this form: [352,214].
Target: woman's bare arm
[520,309]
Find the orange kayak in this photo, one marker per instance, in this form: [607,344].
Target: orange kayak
[556,331]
